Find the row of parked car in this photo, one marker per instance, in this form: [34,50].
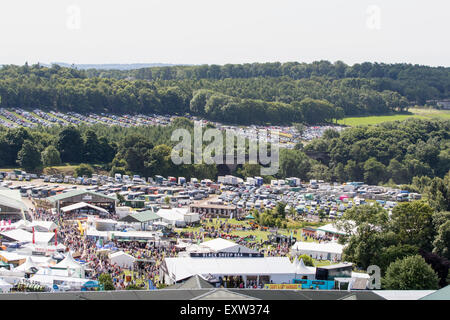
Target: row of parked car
[315,198]
[24,118]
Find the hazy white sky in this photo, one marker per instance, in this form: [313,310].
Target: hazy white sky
[224,31]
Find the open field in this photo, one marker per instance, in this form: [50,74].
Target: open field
[419,113]
[260,235]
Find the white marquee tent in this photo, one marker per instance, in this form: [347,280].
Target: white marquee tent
[5,286]
[319,251]
[74,268]
[301,270]
[223,245]
[277,269]
[122,259]
[28,265]
[21,235]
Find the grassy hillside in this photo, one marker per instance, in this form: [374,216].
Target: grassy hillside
[420,113]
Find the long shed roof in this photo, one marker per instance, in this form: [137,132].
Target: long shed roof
[73,193]
[143,216]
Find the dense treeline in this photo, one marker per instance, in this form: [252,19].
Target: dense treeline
[249,93]
[137,150]
[410,245]
[220,107]
[415,82]
[392,152]
[34,149]
[353,96]
[68,89]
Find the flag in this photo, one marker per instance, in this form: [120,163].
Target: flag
[56,237]
[33,237]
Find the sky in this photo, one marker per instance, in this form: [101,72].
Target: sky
[224,31]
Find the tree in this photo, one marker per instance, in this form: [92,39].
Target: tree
[91,150]
[84,170]
[392,253]
[353,170]
[29,157]
[294,163]
[438,193]
[373,216]
[367,227]
[280,210]
[339,173]
[315,111]
[439,264]
[300,127]
[159,161]
[442,241]
[330,134]
[292,211]
[133,287]
[199,99]
[410,273]
[134,150]
[107,150]
[321,214]
[364,247]
[120,198]
[397,172]
[70,145]
[374,171]
[50,157]
[307,260]
[12,142]
[249,170]
[319,171]
[412,222]
[107,282]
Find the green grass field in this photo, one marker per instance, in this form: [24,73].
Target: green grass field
[418,113]
[259,234]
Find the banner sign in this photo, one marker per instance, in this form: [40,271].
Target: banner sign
[226,255]
[283,286]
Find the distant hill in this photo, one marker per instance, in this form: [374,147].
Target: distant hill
[111,66]
[256,93]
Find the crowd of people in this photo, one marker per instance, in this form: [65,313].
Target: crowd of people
[150,256]
[86,249]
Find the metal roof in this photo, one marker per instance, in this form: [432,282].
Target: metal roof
[74,193]
[143,216]
[194,294]
[441,294]
[12,203]
[194,282]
